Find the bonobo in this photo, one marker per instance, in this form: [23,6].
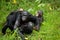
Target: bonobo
[39,15]
[22,20]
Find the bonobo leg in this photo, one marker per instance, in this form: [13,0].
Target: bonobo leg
[21,34]
[11,27]
[4,28]
[30,27]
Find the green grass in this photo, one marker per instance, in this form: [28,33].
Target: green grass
[50,29]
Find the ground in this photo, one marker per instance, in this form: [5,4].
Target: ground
[50,28]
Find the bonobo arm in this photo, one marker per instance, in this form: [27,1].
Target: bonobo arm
[17,22]
[36,22]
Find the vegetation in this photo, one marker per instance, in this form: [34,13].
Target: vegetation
[50,29]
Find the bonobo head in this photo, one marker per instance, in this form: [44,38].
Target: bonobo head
[24,15]
[39,13]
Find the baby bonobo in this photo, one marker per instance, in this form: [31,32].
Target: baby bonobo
[39,15]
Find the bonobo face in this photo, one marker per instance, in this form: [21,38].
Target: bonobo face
[40,12]
[24,15]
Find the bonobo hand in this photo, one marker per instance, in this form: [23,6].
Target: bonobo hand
[36,28]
